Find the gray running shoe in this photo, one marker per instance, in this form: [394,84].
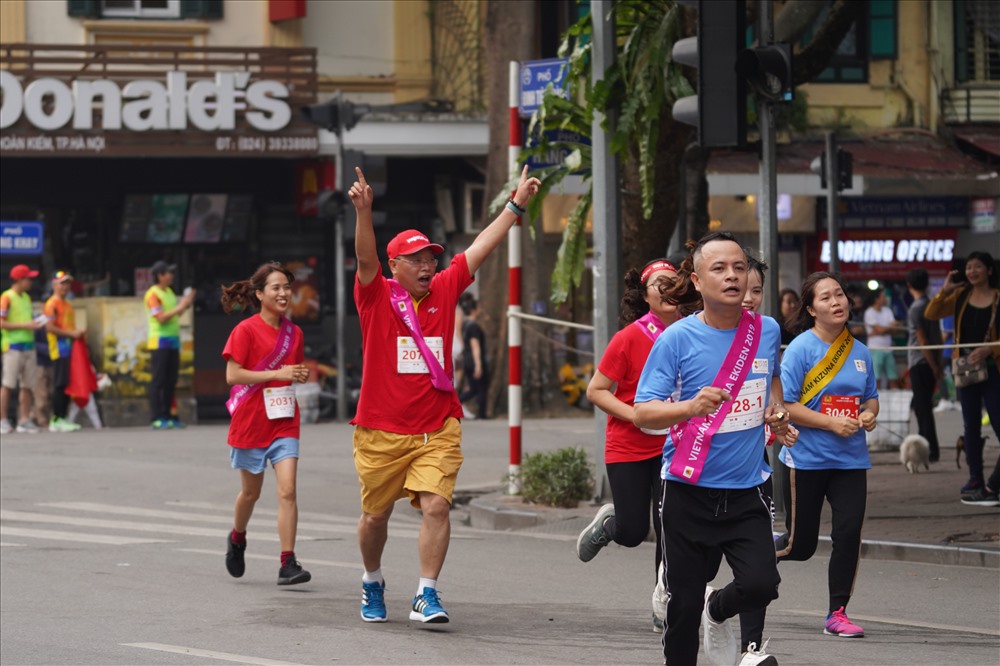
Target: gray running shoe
[593,538]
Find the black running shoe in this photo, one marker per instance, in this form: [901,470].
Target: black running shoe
[293,574]
[235,564]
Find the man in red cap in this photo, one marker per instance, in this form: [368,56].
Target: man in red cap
[407,440]
[17,342]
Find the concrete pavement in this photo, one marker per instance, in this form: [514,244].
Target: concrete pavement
[911,517]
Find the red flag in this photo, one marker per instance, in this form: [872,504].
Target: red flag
[82,380]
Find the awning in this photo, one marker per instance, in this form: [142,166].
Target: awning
[913,162]
[412,138]
[985,138]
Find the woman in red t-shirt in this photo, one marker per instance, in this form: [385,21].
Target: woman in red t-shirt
[264,356]
[633,456]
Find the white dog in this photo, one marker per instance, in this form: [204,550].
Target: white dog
[913,452]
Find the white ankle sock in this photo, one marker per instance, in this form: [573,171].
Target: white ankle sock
[426,582]
[373,576]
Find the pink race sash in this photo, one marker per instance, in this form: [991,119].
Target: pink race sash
[402,305]
[693,438]
[241,392]
[650,325]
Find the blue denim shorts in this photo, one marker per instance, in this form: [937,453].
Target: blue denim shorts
[255,460]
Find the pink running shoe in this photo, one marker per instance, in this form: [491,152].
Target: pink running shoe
[837,624]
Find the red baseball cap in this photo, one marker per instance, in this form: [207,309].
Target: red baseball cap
[21,271]
[410,241]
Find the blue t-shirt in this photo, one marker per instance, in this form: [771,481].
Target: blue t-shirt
[686,357]
[822,449]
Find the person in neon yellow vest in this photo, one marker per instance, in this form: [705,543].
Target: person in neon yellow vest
[17,342]
[164,342]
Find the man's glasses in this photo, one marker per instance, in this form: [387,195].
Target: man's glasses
[430,263]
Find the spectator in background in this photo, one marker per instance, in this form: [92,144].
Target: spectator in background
[880,323]
[856,325]
[17,344]
[62,331]
[925,364]
[42,410]
[164,342]
[949,400]
[475,367]
[973,298]
[789,300]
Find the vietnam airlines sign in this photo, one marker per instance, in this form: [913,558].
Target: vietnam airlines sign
[179,112]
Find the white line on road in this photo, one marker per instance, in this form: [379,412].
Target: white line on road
[902,623]
[323,563]
[73,536]
[210,654]
[31,517]
[114,509]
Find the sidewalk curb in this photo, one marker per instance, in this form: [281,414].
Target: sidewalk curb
[485,513]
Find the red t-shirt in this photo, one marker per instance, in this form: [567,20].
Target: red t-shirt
[406,403]
[622,362]
[252,341]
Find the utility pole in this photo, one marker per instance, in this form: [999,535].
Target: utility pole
[832,185]
[607,228]
[768,173]
[338,264]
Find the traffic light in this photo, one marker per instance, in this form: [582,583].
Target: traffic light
[720,109]
[330,203]
[768,70]
[845,170]
[328,115]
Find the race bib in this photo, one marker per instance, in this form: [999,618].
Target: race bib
[279,402]
[409,360]
[747,410]
[841,405]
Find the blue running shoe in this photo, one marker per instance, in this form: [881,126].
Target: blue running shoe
[373,601]
[427,607]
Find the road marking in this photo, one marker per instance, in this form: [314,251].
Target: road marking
[261,511]
[210,654]
[323,563]
[8,544]
[182,515]
[73,536]
[31,517]
[350,528]
[903,623]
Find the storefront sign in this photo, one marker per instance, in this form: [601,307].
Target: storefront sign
[984,216]
[22,237]
[901,213]
[204,102]
[887,254]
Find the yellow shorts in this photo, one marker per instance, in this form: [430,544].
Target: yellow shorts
[391,466]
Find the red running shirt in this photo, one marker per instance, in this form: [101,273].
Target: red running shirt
[252,341]
[406,403]
[622,362]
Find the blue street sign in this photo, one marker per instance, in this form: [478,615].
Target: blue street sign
[22,237]
[536,75]
[556,154]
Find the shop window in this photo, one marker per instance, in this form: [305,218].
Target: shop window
[145,9]
[850,63]
[882,34]
[977,41]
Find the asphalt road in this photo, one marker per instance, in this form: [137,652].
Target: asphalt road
[113,543]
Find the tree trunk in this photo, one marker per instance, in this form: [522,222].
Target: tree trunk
[510,35]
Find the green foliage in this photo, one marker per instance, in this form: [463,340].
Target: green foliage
[641,85]
[559,478]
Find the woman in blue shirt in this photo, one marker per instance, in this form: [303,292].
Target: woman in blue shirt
[830,393]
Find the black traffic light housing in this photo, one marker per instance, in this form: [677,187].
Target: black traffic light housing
[845,170]
[720,108]
[330,203]
[768,69]
[329,115]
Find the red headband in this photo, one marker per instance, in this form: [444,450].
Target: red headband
[656,266]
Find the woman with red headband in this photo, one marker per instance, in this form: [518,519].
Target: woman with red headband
[632,456]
